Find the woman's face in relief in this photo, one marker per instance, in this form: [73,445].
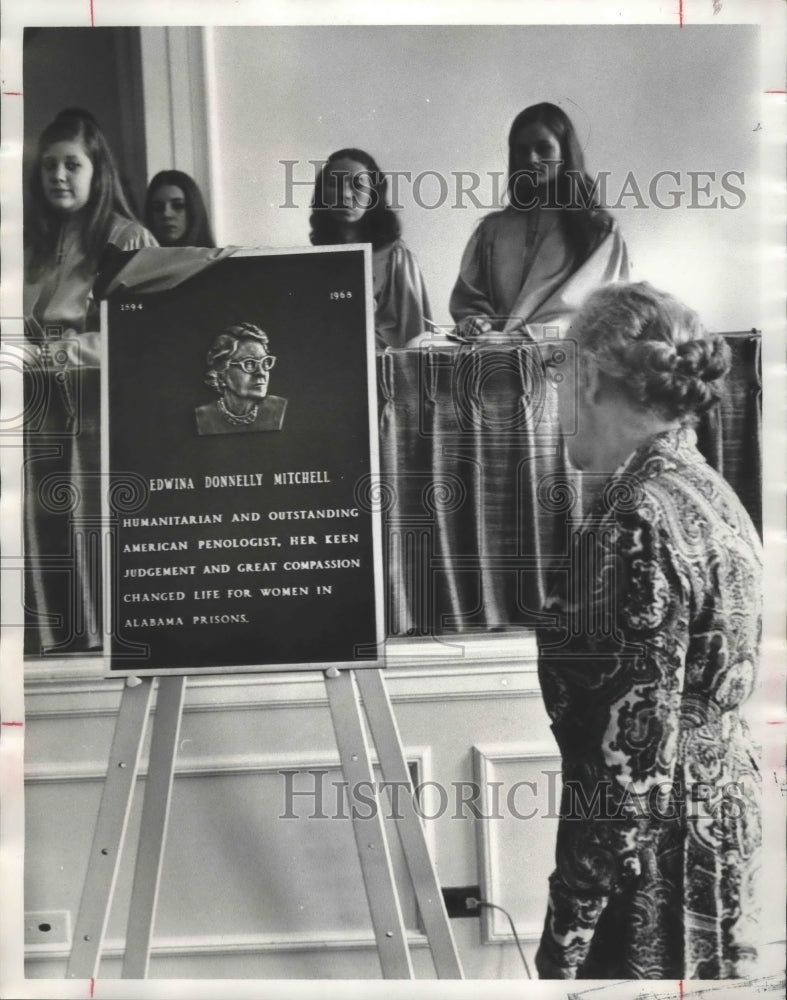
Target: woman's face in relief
[348,191]
[251,383]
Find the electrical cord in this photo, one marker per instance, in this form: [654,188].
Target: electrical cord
[472,903]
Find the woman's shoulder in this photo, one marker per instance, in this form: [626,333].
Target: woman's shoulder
[395,246]
[128,234]
[669,483]
[502,220]
[505,216]
[606,225]
[394,255]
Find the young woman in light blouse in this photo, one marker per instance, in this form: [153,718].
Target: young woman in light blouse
[76,208]
[533,262]
[75,211]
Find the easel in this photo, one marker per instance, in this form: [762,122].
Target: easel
[345,688]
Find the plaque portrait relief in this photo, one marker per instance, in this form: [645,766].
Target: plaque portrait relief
[239,368]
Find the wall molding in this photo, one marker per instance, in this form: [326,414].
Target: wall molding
[228,765]
[233,944]
[246,765]
[486,759]
[220,765]
[476,668]
[176,103]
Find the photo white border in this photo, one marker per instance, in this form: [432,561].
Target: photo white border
[771,16]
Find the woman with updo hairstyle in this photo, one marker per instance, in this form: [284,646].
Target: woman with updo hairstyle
[350,205]
[649,649]
[175,211]
[532,263]
[239,364]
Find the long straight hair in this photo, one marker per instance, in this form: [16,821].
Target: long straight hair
[585,222]
[43,223]
[198,232]
[379,225]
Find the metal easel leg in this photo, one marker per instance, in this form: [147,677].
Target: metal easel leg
[369,833]
[153,825]
[110,831]
[385,735]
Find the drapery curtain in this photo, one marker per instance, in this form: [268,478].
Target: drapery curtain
[730,435]
[478,500]
[475,496]
[62,511]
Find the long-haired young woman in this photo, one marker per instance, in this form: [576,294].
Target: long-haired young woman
[350,205]
[534,261]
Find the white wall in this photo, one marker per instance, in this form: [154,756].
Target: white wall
[176,123]
[644,99]
[246,894]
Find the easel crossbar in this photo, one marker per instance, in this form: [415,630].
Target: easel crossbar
[343,689]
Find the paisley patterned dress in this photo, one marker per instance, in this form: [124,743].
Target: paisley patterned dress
[651,651]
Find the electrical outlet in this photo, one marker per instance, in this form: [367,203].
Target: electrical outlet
[456,901]
[52,927]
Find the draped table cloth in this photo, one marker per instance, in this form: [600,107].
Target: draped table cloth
[476,500]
